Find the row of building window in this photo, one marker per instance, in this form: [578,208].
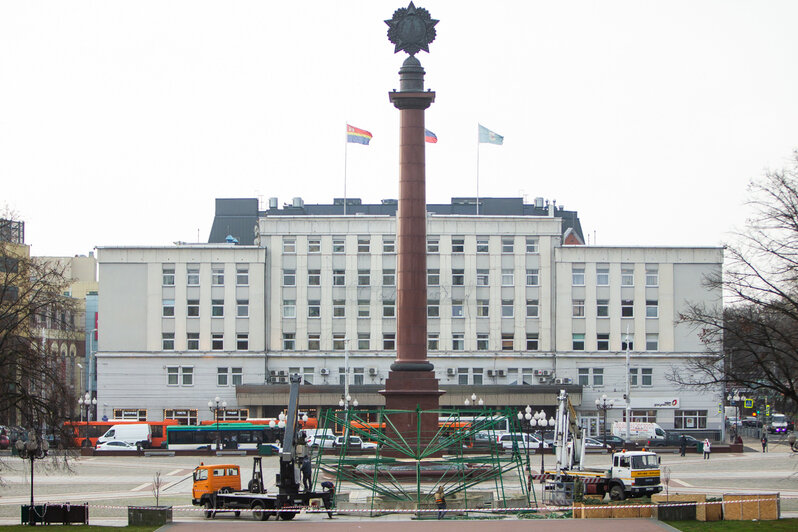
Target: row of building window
[458,342]
[458,308]
[603,342]
[193,341]
[459,277]
[389,244]
[184,376]
[217,274]
[683,419]
[595,377]
[603,275]
[193,308]
[433,277]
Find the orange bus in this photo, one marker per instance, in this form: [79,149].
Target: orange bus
[81,437]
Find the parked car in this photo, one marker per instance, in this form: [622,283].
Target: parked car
[546,436]
[5,443]
[325,441]
[752,421]
[354,442]
[672,439]
[520,440]
[612,441]
[116,445]
[592,443]
[369,445]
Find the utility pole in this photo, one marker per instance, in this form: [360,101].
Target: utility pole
[628,399]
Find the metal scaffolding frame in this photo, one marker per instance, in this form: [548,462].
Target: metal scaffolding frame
[461,455]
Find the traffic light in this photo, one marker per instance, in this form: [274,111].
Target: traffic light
[754,414]
[767,410]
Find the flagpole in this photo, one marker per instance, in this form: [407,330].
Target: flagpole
[478,169]
[346,149]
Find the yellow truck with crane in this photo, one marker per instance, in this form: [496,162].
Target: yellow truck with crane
[631,473]
[217,488]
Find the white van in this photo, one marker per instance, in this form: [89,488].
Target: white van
[639,431]
[520,440]
[138,434]
[324,438]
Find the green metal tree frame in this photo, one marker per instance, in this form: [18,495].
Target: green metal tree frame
[413,473]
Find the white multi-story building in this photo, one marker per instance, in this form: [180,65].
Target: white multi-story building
[179,326]
[518,307]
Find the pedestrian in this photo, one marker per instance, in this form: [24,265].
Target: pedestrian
[440,502]
[307,473]
[707,448]
[791,441]
[683,445]
[764,442]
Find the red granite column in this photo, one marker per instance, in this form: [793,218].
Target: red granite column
[411,382]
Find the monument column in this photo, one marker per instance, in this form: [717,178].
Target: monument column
[411,383]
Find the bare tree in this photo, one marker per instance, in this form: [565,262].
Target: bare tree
[157,483]
[752,343]
[33,387]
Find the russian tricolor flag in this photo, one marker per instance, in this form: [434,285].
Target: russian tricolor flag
[430,137]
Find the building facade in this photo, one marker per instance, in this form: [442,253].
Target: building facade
[179,326]
[518,307]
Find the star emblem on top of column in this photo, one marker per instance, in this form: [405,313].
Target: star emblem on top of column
[411,29]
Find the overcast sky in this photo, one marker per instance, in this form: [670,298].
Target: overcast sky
[121,122]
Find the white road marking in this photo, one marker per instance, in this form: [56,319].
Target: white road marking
[682,482]
[143,486]
[173,473]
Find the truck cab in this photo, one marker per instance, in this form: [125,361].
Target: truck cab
[209,479]
[634,474]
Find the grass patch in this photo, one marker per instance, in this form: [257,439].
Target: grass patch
[78,528]
[782,525]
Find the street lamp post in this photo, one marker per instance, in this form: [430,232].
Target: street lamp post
[33,449]
[214,406]
[86,402]
[534,420]
[603,404]
[344,403]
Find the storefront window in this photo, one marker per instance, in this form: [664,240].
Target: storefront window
[690,419]
[184,417]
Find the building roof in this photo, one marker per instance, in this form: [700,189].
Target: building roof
[238,216]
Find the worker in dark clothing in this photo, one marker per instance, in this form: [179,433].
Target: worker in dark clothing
[329,498]
[764,443]
[682,445]
[307,473]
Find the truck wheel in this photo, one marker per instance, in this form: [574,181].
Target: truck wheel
[286,516]
[617,493]
[238,513]
[258,513]
[209,513]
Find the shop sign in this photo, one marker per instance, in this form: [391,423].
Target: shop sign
[655,402]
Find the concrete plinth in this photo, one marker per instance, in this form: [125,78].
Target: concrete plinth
[412,391]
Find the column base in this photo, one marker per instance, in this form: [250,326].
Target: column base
[412,391]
